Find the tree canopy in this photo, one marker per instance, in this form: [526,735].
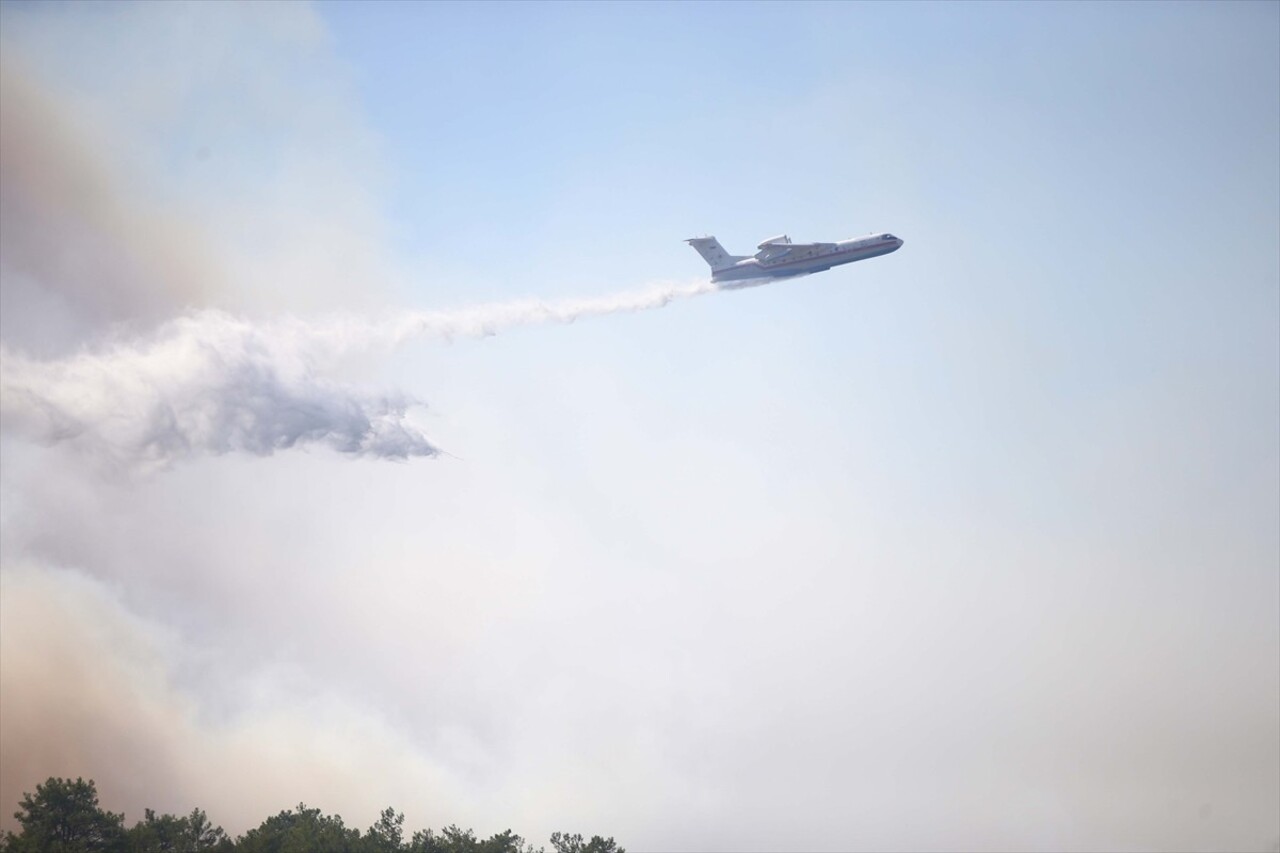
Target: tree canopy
[63,816]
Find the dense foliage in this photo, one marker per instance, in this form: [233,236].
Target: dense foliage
[64,817]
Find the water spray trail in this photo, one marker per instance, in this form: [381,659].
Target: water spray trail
[342,334]
[491,319]
[212,383]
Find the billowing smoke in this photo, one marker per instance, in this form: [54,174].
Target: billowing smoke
[213,383]
[89,685]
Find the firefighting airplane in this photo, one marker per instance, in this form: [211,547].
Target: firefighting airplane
[779,257]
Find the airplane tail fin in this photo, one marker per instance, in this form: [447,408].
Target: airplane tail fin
[713,253]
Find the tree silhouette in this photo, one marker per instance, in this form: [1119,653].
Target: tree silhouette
[64,817]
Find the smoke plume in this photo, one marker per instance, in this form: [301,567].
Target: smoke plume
[77,249]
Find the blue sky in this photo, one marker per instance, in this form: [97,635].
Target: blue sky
[972,546]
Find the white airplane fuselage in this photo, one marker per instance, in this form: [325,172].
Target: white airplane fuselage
[779,257]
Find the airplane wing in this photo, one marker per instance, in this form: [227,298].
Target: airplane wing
[782,241]
[794,246]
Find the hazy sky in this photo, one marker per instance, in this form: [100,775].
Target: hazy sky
[972,546]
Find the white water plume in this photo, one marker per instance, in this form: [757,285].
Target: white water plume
[492,318]
[213,383]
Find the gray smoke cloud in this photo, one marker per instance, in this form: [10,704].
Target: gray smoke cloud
[214,383]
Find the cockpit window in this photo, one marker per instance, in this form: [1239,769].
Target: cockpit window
[886,236]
